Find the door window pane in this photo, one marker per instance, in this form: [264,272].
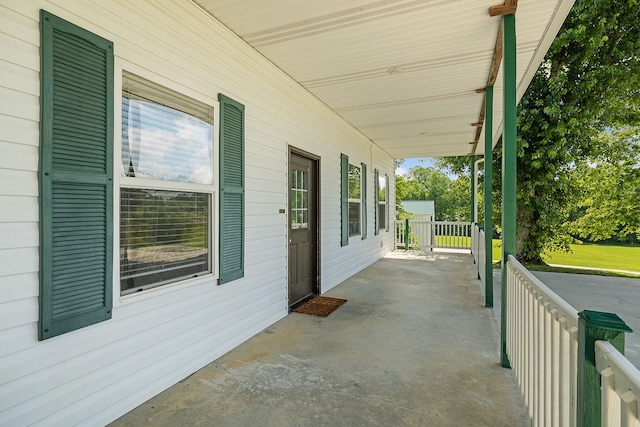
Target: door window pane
[299,199]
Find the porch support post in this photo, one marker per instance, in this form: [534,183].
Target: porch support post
[593,326]
[406,234]
[476,189]
[508,168]
[488,202]
[473,219]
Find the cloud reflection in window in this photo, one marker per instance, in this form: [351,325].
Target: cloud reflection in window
[163,143]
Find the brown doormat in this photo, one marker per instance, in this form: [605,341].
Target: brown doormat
[320,306]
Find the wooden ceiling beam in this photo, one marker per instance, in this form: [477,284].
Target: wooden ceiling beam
[497,59]
[509,7]
[502,9]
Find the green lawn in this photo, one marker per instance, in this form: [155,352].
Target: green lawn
[599,256]
[497,250]
[614,257]
[453,240]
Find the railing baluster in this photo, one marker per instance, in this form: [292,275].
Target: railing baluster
[518,305]
[510,316]
[610,401]
[530,358]
[620,386]
[534,353]
[447,233]
[565,374]
[540,304]
[554,374]
[454,233]
[573,374]
[542,348]
[546,383]
[629,410]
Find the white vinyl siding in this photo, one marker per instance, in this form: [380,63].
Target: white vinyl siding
[93,375]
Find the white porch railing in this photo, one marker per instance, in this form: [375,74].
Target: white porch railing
[427,235]
[620,387]
[542,345]
[482,260]
[542,339]
[478,251]
[475,242]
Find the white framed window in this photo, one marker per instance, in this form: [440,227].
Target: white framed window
[355,200]
[167,186]
[382,202]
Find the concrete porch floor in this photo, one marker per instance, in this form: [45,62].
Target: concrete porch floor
[413,346]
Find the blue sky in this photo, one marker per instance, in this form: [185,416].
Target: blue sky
[416,161]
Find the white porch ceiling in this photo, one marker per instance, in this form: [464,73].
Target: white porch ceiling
[345,52]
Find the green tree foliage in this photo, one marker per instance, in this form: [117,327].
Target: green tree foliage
[410,189]
[589,81]
[460,165]
[609,204]
[459,199]
[451,196]
[457,165]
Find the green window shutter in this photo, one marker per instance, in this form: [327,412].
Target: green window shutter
[387,198]
[231,189]
[376,200]
[76,177]
[364,201]
[344,200]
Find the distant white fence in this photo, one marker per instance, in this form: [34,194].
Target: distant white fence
[620,387]
[427,235]
[542,345]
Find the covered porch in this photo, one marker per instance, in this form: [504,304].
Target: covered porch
[427,352]
[413,345]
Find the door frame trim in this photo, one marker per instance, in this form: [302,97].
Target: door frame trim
[317,288]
